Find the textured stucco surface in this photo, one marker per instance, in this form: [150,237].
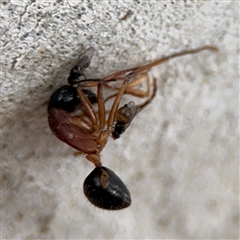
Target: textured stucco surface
[179,158]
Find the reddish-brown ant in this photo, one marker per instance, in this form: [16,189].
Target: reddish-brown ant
[74,120]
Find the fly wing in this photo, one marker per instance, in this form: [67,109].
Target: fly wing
[126,113]
[124,117]
[133,110]
[85,58]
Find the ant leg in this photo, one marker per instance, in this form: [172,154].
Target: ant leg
[147,67]
[143,105]
[81,123]
[137,92]
[101,106]
[116,104]
[88,107]
[103,135]
[93,157]
[121,75]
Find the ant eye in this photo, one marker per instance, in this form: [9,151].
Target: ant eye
[104,189]
[66,98]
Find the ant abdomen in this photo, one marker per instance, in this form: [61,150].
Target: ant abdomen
[104,189]
[66,98]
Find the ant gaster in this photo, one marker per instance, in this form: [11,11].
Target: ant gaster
[74,120]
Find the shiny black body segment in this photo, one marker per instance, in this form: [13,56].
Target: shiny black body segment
[104,189]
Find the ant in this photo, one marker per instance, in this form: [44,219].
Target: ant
[75,120]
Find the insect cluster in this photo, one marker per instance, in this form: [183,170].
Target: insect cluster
[80,115]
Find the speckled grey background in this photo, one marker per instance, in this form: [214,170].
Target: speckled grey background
[179,158]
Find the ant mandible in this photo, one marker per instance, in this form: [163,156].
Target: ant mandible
[74,120]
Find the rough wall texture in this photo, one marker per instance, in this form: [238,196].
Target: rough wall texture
[179,158]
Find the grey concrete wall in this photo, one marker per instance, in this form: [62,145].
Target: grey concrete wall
[179,158]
